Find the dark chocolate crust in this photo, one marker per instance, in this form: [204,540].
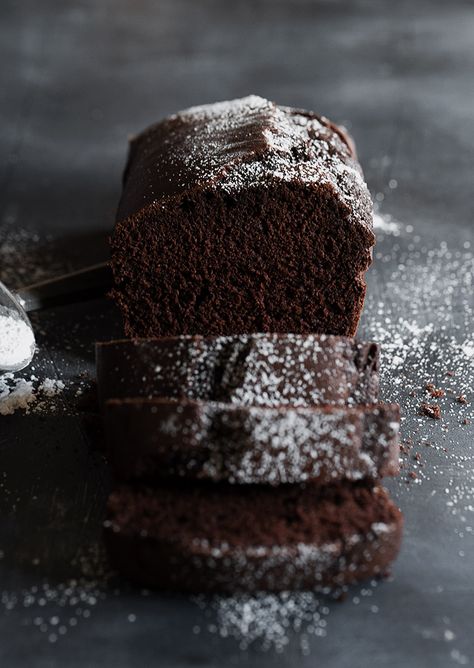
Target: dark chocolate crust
[238,217]
[240,538]
[251,369]
[155,438]
[164,160]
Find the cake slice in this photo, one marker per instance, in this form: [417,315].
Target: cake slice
[238,538]
[249,369]
[242,216]
[155,438]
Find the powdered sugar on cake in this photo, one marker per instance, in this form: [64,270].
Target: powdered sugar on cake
[253,369]
[247,445]
[285,145]
[319,559]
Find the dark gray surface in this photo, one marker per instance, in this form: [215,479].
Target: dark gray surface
[77,78]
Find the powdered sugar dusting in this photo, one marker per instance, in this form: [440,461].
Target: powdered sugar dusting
[55,609]
[247,445]
[413,326]
[252,142]
[51,387]
[26,257]
[251,370]
[298,148]
[269,621]
[17,393]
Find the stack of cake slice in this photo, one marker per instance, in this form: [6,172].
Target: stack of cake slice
[248,462]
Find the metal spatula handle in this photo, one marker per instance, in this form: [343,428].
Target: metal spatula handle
[82,285]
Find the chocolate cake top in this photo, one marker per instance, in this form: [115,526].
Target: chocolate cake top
[240,144]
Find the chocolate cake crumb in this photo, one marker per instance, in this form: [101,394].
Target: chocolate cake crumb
[433,391]
[431,410]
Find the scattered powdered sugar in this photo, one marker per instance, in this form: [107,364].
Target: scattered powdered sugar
[26,257]
[415,326]
[17,393]
[56,609]
[17,340]
[270,621]
[51,387]
[266,619]
[467,348]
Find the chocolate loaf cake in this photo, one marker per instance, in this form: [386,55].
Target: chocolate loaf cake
[155,438]
[242,216]
[231,537]
[250,369]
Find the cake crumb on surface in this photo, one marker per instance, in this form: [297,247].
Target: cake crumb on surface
[431,410]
